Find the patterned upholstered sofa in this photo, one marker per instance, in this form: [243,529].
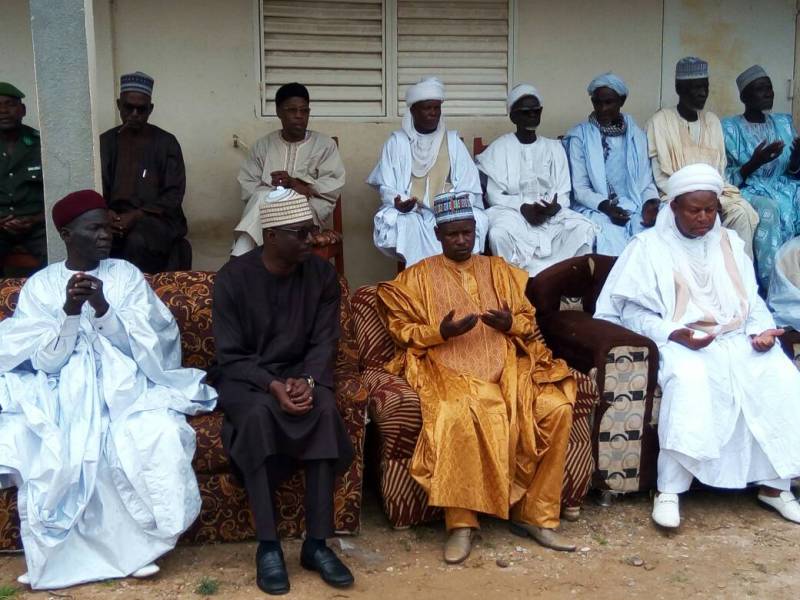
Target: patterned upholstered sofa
[225,514]
[395,414]
[623,363]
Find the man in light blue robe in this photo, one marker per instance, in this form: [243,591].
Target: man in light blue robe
[612,181]
[764,163]
[784,286]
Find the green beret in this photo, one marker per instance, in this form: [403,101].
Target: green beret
[6,89]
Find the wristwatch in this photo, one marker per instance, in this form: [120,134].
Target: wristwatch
[310,380]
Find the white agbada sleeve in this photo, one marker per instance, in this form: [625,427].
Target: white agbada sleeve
[631,296]
[110,327]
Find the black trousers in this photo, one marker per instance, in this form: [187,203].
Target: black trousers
[261,483]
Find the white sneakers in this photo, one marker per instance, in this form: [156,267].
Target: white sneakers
[665,510]
[146,571]
[785,505]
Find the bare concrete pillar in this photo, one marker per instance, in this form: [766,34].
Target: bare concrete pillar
[64,59]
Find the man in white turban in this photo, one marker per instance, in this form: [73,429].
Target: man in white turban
[612,183]
[417,163]
[528,189]
[731,399]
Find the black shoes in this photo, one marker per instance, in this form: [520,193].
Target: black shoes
[322,560]
[271,575]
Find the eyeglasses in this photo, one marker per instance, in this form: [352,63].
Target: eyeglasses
[300,234]
[527,112]
[135,108]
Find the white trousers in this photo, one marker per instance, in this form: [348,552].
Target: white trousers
[674,478]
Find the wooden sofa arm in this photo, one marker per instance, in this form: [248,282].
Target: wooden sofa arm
[585,342]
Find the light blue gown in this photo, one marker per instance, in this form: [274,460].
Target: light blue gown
[770,190]
[626,172]
[784,287]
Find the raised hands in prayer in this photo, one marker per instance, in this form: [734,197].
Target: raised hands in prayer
[405,206]
[501,320]
[122,223]
[762,154]
[449,328]
[619,216]
[81,288]
[283,179]
[765,152]
[294,395]
[686,337]
[537,214]
[765,340]
[18,225]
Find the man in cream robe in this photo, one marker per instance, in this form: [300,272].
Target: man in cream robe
[528,189]
[687,134]
[292,157]
[730,411]
[92,405]
[496,406]
[418,162]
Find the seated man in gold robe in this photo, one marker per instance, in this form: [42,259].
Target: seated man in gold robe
[496,406]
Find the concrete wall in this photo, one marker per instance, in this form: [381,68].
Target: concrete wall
[731,35]
[202,55]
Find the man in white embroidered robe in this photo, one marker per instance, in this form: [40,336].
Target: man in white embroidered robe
[528,190]
[730,411]
[292,157]
[92,399]
[417,163]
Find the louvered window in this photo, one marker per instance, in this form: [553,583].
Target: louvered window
[358,56]
[465,42]
[334,48]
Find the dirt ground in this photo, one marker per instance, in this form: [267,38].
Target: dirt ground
[727,547]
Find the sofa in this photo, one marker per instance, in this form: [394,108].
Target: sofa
[225,515]
[396,421]
[624,365]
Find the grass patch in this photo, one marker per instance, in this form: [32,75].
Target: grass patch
[207,587]
[7,592]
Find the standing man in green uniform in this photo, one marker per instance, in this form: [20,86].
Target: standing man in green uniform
[21,191]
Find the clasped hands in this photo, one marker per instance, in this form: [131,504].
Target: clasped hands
[122,223]
[536,214]
[294,396]
[81,288]
[760,343]
[501,320]
[283,179]
[19,225]
[405,206]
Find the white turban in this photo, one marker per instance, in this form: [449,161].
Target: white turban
[610,81]
[520,91]
[698,177]
[430,88]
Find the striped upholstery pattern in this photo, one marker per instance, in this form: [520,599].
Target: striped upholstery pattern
[394,410]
